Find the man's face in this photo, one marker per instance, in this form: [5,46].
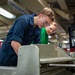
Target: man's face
[44,21]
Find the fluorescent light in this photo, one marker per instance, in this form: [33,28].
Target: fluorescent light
[6,14]
[65,41]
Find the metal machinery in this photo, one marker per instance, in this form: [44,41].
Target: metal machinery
[40,60]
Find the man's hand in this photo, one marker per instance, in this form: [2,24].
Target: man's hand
[15,46]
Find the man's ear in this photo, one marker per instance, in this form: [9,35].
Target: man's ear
[40,15]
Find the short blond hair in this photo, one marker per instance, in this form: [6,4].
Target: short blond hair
[49,12]
[54,23]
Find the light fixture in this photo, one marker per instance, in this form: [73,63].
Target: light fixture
[6,14]
[65,41]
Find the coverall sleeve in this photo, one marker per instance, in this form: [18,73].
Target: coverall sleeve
[18,31]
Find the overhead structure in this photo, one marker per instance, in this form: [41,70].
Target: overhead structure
[34,5]
[44,3]
[62,5]
[63,14]
[17,7]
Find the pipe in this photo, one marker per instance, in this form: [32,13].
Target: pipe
[62,65]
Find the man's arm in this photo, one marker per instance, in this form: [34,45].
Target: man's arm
[19,28]
[15,45]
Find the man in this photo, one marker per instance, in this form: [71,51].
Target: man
[25,30]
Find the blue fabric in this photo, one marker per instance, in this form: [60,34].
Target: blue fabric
[22,31]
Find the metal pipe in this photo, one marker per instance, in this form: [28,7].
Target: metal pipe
[62,65]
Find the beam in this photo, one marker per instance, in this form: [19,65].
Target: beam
[17,6]
[62,5]
[34,5]
[63,14]
[43,3]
